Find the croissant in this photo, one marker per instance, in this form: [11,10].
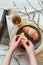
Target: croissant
[31,32]
[24,39]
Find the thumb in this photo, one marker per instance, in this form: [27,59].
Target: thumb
[24,44]
[19,39]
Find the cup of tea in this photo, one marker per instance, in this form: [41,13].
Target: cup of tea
[16,19]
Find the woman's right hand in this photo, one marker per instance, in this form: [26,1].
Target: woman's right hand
[29,47]
[30,51]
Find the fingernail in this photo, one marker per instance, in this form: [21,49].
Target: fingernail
[27,43]
[17,38]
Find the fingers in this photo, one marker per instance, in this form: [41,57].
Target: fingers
[24,44]
[18,40]
[30,42]
[27,44]
[16,37]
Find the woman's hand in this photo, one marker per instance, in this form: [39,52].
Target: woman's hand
[30,51]
[14,42]
[29,47]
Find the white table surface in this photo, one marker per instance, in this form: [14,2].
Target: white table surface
[20,4]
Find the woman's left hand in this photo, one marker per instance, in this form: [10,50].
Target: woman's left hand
[14,42]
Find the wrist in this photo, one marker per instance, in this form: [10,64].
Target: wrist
[11,50]
[31,53]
